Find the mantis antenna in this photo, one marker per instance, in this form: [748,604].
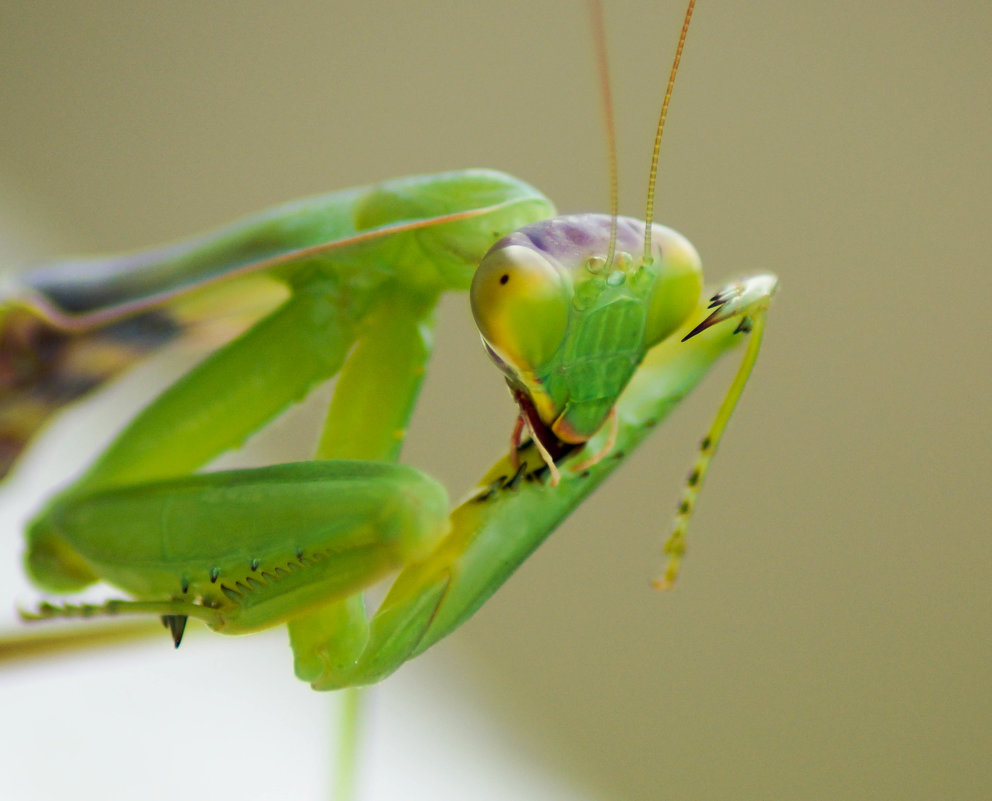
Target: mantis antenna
[606,95]
[656,150]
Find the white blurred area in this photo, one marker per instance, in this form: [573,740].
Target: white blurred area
[220,715]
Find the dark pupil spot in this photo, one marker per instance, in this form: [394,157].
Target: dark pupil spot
[504,278]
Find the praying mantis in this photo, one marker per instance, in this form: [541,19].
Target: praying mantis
[599,324]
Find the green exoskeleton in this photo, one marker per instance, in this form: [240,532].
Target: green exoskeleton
[600,325]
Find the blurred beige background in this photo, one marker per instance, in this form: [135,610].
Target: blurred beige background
[829,637]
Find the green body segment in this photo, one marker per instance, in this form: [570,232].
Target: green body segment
[258,546]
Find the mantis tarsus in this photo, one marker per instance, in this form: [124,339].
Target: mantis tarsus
[348,284]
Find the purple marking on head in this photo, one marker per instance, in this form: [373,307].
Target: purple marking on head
[572,238]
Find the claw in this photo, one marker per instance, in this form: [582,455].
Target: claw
[176,624]
[743,297]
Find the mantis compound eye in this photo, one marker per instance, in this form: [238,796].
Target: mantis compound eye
[520,301]
[677,287]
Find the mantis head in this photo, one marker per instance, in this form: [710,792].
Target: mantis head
[568,329]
